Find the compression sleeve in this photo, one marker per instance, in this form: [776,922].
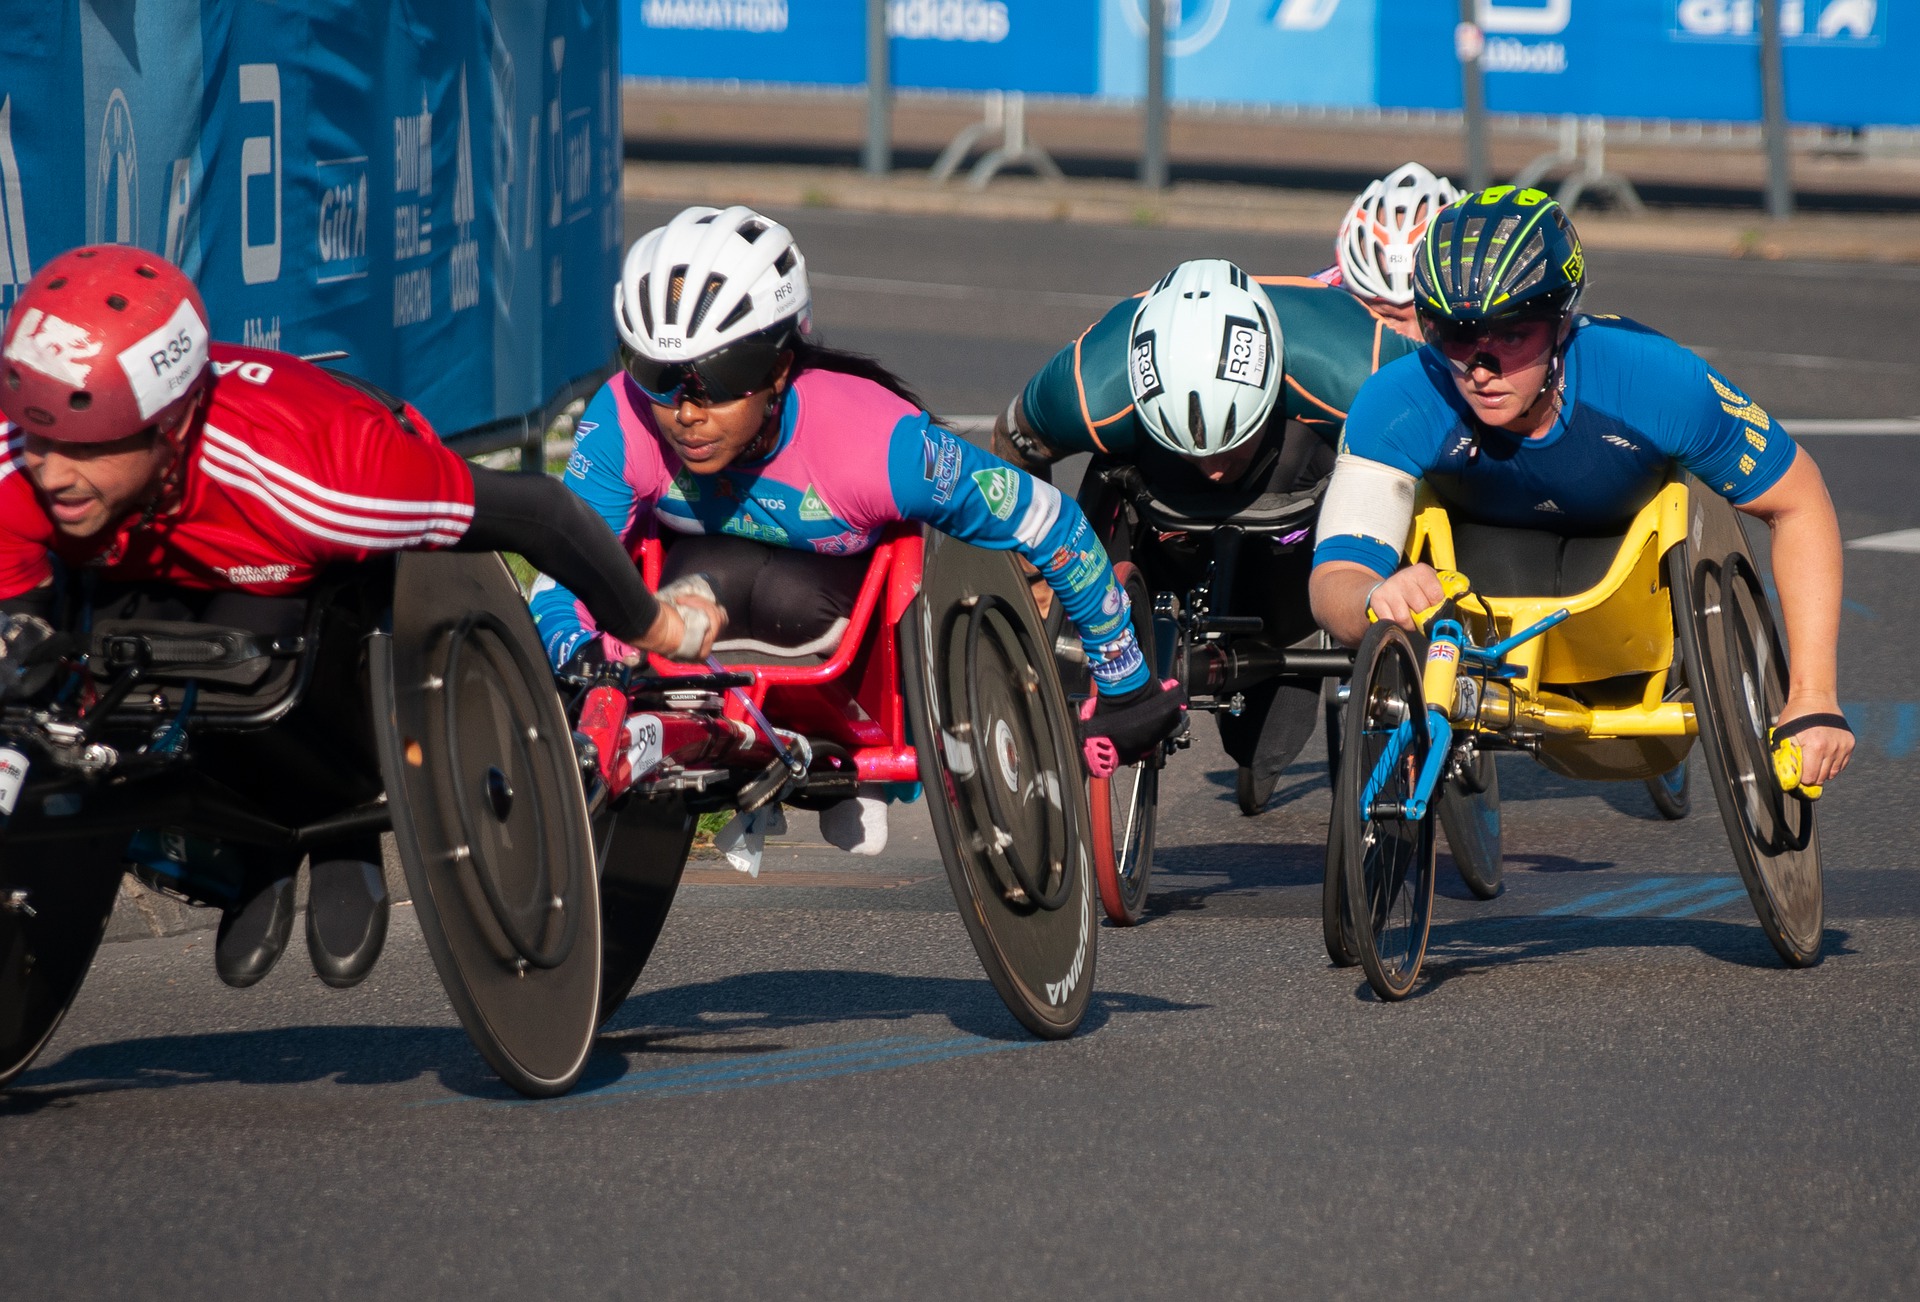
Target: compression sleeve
[561,536]
[1365,515]
[978,498]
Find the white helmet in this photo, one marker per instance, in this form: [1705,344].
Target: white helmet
[750,275]
[1383,229]
[1204,358]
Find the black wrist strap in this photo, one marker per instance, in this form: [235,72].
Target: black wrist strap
[1793,727]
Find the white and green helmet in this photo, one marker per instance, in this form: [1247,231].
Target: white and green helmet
[1204,358]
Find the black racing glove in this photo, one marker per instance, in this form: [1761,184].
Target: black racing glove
[1122,730]
[30,654]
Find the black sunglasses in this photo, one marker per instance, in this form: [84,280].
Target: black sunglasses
[726,376]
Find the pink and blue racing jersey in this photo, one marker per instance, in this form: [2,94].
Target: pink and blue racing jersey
[852,458]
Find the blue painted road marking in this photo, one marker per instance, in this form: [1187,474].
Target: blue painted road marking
[1647,904]
[1599,897]
[1728,895]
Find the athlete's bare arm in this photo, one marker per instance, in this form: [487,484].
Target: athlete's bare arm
[1017,443]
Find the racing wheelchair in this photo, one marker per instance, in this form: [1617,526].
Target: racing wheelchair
[408,695]
[940,678]
[1602,658]
[1198,568]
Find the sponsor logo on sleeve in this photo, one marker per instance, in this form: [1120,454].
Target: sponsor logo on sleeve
[1243,352]
[1146,373]
[683,489]
[250,576]
[1747,463]
[999,489]
[579,465]
[1758,440]
[1112,599]
[844,544]
[940,463]
[1118,658]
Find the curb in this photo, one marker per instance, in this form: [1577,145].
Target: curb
[1864,237]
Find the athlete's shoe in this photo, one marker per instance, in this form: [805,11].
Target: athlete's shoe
[253,934]
[347,911]
[858,826]
[1252,791]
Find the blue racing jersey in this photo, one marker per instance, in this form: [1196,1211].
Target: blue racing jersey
[1634,403]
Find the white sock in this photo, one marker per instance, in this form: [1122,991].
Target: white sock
[858,826]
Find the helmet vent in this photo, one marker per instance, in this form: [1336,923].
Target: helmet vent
[1226,431]
[705,303]
[58,282]
[740,309]
[751,231]
[676,286]
[80,400]
[646,306]
[784,263]
[147,273]
[1196,419]
[116,302]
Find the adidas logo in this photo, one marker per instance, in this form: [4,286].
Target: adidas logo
[1619,442]
[1548,505]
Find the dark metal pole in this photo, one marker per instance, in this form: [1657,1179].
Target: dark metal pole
[1153,158]
[1469,42]
[1773,113]
[877,157]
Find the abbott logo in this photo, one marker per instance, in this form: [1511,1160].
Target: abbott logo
[260,157]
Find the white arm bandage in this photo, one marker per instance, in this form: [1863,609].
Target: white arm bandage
[1369,499]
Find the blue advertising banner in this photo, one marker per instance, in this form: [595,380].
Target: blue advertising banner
[1847,62]
[436,193]
[1042,46]
[1256,51]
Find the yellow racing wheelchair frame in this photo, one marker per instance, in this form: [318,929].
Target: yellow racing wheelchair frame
[1675,642]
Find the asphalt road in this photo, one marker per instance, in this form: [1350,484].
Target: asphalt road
[1608,1088]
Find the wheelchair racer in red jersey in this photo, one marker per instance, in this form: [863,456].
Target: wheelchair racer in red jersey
[771,463]
[151,473]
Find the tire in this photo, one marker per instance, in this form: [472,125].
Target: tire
[44,956]
[1672,793]
[1125,806]
[1737,664]
[1469,805]
[1335,926]
[641,851]
[1387,863]
[983,709]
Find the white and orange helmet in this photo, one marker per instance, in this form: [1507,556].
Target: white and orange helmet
[1383,229]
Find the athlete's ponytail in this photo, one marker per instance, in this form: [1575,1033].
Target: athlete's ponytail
[809,355]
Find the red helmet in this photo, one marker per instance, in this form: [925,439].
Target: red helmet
[104,342]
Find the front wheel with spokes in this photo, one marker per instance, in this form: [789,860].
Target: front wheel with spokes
[1387,861]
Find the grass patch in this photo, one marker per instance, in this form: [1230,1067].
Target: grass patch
[709,824]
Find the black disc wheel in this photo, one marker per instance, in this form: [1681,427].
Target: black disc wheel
[1469,803]
[642,850]
[1671,793]
[1737,664]
[55,900]
[490,817]
[1124,805]
[1387,861]
[1006,787]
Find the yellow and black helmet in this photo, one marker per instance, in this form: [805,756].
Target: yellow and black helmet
[1496,254]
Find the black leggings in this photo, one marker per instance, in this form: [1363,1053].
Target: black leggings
[774,595]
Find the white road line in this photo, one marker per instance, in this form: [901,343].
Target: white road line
[1799,428]
[1900,540]
[931,289]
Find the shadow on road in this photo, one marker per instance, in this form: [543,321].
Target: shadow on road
[1481,945]
[288,1055]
